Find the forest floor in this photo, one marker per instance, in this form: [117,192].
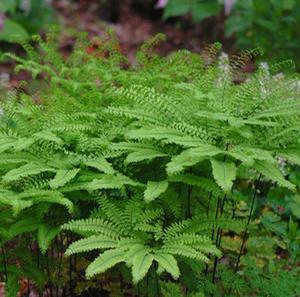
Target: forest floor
[133,21]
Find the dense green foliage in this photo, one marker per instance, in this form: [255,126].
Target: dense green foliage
[144,168]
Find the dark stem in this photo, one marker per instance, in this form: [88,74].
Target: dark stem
[218,238]
[147,284]
[220,206]
[3,251]
[208,205]
[28,243]
[139,289]
[216,216]
[233,208]
[156,278]
[48,271]
[247,225]
[70,269]
[60,250]
[188,206]
[56,243]
[213,230]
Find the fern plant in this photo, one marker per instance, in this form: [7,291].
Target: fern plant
[145,162]
[135,234]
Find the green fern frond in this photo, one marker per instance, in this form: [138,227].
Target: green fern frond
[142,155]
[140,266]
[272,173]
[112,182]
[191,157]
[101,164]
[167,262]
[91,243]
[26,170]
[105,261]
[184,251]
[62,177]
[92,226]
[45,235]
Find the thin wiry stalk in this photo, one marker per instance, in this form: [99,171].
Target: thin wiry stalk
[188,207]
[156,278]
[221,204]
[218,238]
[247,225]
[208,205]
[3,251]
[213,230]
[71,268]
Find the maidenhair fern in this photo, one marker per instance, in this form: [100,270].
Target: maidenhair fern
[136,235]
[142,162]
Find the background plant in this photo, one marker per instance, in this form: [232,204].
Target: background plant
[271,25]
[20,19]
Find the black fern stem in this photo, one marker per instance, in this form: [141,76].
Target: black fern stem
[70,239]
[221,204]
[3,251]
[156,278]
[48,272]
[52,287]
[208,204]
[49,275]
[57,257]
[60,250]
[188,206]
[38,264]
[29,246]
[147,284]
[213,230]
[218,238]
[216,216]
[219,235]
[247,225]
[139,289]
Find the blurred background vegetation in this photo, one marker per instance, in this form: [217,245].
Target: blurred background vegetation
[237,24]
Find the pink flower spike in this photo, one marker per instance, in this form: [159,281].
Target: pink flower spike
[2,17]
[228,5]
[161,4]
